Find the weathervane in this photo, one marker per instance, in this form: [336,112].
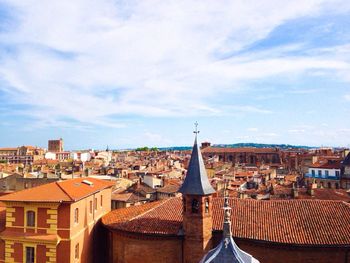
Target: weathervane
[196,131]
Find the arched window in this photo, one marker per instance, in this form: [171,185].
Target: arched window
[76,215]
[31,218]
[195,206]
[206,205]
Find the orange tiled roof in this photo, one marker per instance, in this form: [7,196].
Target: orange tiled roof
[169,188]
[62,191]
[8,149]
[325,194]
[162,217]
[301,222]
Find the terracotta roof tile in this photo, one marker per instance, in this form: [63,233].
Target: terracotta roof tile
[62,191]
[302,222]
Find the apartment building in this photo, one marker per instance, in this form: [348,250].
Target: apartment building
[55,222]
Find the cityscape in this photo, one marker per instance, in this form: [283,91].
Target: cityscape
[174,131]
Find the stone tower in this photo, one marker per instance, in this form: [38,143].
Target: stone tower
[197,208]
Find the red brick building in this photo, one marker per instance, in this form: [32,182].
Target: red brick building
[248,155]
[55,145]
[55,222]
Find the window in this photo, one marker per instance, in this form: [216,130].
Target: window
[327,172]
[195,206]
[184,203]
[90,206]
[95,203]
[31,218]
[76,215]
[319,172]
[76,251]
[101,200]
[30,255]
[313,172]
[207,205]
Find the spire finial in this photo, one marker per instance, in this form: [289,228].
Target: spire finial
[196,131]
[227,214]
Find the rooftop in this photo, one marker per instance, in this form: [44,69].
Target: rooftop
[300,222]
[63,191]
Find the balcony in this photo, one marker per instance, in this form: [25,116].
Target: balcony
[322,176]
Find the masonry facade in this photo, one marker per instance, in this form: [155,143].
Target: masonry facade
[183,229]
[58,229]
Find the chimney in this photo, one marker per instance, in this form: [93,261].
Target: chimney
[310,189]
[295,191]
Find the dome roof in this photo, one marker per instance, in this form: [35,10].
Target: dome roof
[228,252]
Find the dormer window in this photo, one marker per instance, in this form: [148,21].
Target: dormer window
[31,218]
[195,206]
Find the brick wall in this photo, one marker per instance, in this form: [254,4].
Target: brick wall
[133,250]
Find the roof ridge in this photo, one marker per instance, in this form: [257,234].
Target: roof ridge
[71,198]
[161,203]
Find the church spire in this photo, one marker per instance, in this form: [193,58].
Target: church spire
[227,220]
[196,181]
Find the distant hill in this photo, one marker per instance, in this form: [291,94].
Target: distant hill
[240,145]
[263,145]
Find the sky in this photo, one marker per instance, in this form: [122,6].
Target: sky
[140,73]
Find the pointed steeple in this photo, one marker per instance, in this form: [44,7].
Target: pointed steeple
[196,181]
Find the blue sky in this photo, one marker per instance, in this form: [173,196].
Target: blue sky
[134,73]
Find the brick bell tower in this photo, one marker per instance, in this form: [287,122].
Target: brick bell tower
[197,208]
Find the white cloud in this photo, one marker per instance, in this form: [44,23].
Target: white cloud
[296,131]
[91,60]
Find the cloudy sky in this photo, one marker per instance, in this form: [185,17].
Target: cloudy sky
[133,73]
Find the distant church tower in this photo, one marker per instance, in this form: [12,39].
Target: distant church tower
[197,208]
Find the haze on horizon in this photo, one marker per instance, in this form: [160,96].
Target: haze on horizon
[136,73]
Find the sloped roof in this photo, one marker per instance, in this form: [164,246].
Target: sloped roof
[301,222]
[227,251]
[62,191]
[196,181]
